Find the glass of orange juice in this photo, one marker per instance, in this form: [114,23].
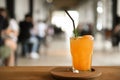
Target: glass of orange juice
[81,52]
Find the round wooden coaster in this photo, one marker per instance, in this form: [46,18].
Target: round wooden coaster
[65,73]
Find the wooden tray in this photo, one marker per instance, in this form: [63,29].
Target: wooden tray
[65,73]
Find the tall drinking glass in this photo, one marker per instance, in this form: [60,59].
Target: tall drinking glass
[81,52]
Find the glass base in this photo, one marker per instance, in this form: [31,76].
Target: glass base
[78,71]
[74,70]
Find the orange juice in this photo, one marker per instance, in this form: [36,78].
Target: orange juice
[81,52]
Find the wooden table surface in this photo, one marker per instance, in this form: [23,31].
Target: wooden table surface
[43,73]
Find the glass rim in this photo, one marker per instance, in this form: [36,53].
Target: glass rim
[72,37]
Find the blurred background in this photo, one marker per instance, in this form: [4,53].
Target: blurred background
[37,32]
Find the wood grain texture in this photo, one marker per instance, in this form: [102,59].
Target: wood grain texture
[43,73]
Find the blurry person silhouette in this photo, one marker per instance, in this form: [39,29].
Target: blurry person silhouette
[50,33]
[42,34]
[28,38]
[116,37]
[8,38]
[25,27]
[34,41]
